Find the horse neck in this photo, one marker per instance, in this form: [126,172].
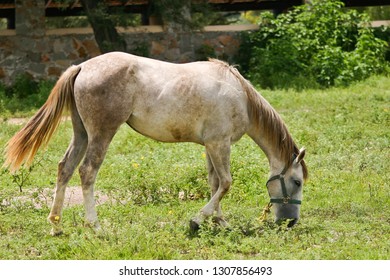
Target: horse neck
[276,162]
[267,128]
[269,132]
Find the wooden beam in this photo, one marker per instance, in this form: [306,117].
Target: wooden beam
[256,5]
[54,8]
[366,3]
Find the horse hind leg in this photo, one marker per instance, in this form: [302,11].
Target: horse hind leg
[96,151]
[66,168]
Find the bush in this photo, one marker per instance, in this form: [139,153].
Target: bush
[313,45]
[23,96]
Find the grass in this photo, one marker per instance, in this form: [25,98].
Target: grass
[156,188]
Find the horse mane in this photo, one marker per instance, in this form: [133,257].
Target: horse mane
[266,118]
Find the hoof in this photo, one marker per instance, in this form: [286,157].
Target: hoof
[93,225]
[194,225]
[220,221]
[56,231]
[56,228]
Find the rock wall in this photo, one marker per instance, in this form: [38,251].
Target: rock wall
[46,57]
[44,54]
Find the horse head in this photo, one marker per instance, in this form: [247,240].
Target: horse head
[285,190]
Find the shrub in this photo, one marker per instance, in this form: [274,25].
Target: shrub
[24,95]
[204,52]
[23,87]
[318,44]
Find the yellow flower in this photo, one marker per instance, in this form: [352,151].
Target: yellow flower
[135,165]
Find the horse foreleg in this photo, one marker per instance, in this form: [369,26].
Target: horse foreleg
[218,159]
[66,168]
[214,184]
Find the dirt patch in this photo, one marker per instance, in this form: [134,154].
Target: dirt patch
[22,121]
[44,197]
[15,121]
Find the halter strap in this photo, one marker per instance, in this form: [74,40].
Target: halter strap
[286,198]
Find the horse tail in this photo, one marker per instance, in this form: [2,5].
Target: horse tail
[23,146]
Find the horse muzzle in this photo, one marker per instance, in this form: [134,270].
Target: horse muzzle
[287,212]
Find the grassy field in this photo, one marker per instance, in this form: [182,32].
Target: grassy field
[155,189]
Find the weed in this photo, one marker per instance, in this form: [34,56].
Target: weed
[22,177]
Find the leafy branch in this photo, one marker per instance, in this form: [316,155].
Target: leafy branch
[22,177]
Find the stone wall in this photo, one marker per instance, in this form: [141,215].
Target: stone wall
[47,56]
[44,54]
[44,57]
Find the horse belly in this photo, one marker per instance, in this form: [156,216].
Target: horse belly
[170,127]
[197,124]
[189,109]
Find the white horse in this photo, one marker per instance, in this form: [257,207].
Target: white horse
[208,103]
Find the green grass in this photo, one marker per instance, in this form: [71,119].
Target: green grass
[345,212]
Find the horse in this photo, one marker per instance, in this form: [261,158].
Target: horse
[206,102]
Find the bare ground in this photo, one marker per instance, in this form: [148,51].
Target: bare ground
[44,197]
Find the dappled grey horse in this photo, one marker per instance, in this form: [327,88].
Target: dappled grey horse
[208,103]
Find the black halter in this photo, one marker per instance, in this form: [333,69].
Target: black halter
[286,198]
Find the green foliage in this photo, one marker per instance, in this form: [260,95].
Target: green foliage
[22,177]
[314,45]
[377,12]
[204,52]
[141,49]
[117,16]
[383,33]
[23,96]
[3,23]
[187,14]
[23,87]
[66,22]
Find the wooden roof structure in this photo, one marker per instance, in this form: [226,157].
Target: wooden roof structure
[53,8]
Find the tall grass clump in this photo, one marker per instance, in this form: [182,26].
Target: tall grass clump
[314,45]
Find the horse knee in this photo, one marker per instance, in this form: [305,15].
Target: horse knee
[61,168]
[61,165]
[225,185]
[63,175]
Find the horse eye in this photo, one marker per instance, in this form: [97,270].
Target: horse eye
[297,183]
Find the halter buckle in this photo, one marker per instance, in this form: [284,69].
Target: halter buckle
[286,199]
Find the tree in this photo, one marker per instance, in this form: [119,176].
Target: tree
[103,25]
[177,16]
[183,15]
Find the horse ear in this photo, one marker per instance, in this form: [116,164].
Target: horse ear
[301,155]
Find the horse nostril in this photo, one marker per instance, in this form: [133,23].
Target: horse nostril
[289,222]
[292,222]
